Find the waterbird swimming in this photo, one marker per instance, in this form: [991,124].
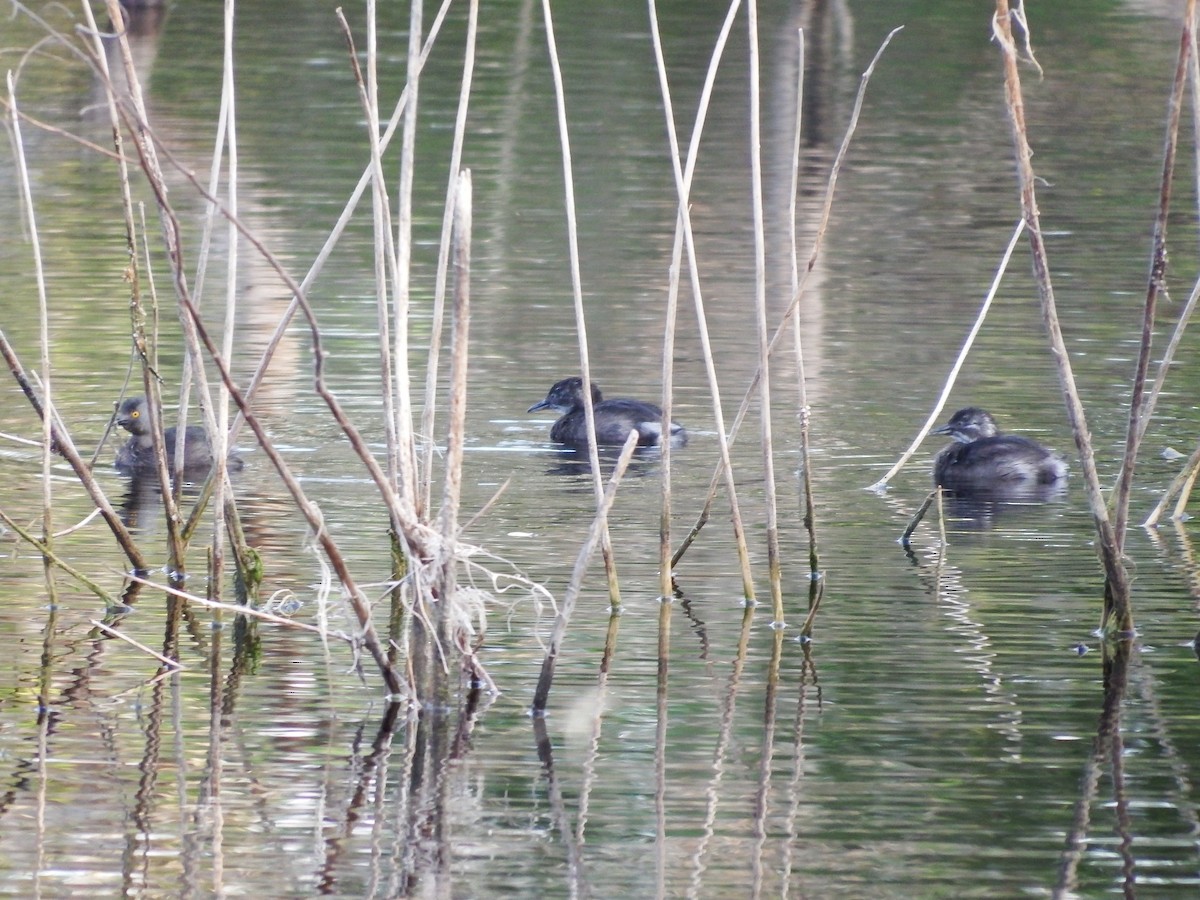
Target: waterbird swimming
[136,456]
[982,458]
[614,418]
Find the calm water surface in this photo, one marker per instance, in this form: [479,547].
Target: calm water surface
[938,739]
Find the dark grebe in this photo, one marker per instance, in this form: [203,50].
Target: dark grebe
[982,458]
[614,418]
[137,455]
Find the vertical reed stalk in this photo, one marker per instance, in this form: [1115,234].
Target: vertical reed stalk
[1180,485]
[1116,594]
[797,335]
[665,575]
[1183,483]
[450,613]
[577,296]
[138,123]
[760,317]
[816,588]
[1138,408]
[403,258]
[780,330]
[43,341]
[439,290]
[335,234]
[683,237]
[218,436]
[382,258]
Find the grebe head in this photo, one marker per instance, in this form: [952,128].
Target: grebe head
[969,424]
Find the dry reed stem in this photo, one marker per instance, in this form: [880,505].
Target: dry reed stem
[218,435]
[241,610]
[26,194]
[318,264]
[818,243]
[766,436]
[450,608]
[805,415]
[415,533]
[577,297]
[35,244]
[684,238]
[384,259]
[136,121]
[121,636]
[952,378]
[49,432]
[1141,407]
[1116,599]
[1182,483]
[596,532]
[1179,486]
[449,211]
[408,474]
[665,576]
[915,519]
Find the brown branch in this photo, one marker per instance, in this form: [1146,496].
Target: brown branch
[1116,578]
[1141,408]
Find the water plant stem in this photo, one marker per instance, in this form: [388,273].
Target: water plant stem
[1117,612]
[683,238]
[766,436]
[952,378]
[577,297]
[1139,409]
[598,528]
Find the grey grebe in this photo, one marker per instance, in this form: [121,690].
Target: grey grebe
[137,454]
[981,458]
[614,418]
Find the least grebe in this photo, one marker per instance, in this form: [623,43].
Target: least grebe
[137,455]
[982,458]
[614,418]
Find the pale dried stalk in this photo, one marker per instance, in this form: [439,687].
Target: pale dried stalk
[818,243]
[766,438]
[683,237]
[386,261]
[585,370]
[35,244]
[439,288]
[952,378]
[407,473]
[665,576]
[457,414]
[596,532]
[1116,579]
